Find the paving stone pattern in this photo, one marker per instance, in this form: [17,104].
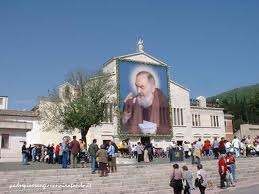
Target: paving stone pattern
[141,178]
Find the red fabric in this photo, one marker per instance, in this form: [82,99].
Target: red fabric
[222,162]
[230,159]
[207,146]
[57,148]
[221,145]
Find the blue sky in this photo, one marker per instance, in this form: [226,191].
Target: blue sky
[212,46]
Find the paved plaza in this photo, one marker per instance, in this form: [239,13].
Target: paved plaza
[130,178]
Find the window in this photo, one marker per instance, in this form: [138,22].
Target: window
[181,116]
[217,121]
[1,101]
[178,116]
[174,116]
[196,120]
[108,113]
[5,141]
[214,120]
[225,123]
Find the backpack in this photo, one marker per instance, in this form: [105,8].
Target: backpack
[116,148]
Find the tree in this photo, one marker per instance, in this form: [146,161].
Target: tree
[81,106]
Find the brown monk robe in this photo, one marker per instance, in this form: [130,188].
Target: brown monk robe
[157,113]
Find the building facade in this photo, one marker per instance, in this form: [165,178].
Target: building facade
[247,129]
[189,121]
[13,128]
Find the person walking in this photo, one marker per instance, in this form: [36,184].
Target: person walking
[65,150]
[146,158]
[34,153]
[25,154]
[187,180]
[112,158]
[177,177]
[140,152]
[222,168]
[236,144]
[230,159]
[202,178]
[197,147]
[215,146]
[82,153]
[93,148]
[102,158]
[75,148]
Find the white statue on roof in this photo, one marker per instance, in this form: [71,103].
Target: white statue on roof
[140,45]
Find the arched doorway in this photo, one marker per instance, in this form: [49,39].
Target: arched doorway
[145,140]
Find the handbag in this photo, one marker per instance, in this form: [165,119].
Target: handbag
[198,182]
[172,183]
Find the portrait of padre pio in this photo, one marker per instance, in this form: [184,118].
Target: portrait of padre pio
[144,99]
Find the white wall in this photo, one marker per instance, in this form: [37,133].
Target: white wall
[206,131]
[14,152]
[4,104]
[180,98]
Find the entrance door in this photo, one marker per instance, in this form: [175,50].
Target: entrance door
[105,142]
[179,143]
[145,140]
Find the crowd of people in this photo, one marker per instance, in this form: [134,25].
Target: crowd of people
[74,152]
[198,149]
[182,179]
[224,151]
[63,153]
[103,158]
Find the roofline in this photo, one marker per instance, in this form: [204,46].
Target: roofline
[18,113]
[211,108]
[65,84]
[229,115]
[134,54]
[4,96]
[173,82]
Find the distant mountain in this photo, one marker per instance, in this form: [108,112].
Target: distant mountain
[247,92]
[242,103]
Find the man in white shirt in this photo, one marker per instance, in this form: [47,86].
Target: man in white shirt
[236,144]
[228,146]
[199,144]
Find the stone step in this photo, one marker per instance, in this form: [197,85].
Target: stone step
[86,174]
[155,188]
[122,168]
[122,189]
[115,176]
[143,178]
[129,184]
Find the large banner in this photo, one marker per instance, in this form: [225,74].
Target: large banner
[144,99]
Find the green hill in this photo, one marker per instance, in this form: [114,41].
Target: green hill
[242,102]
[246,92]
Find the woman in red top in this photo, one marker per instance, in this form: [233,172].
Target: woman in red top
[222,164]
[231,165]
[207,147]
